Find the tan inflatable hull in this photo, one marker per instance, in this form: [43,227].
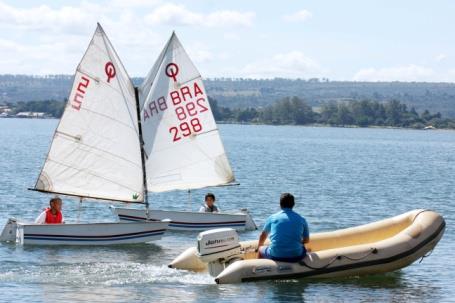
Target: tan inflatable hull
[378,247]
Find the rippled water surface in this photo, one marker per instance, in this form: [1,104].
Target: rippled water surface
[341,177]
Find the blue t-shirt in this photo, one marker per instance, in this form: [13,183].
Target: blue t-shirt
[286,229]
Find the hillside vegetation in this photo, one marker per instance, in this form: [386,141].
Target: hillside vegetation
[247,93]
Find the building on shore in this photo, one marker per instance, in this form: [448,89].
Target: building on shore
[38,115]
[5,111]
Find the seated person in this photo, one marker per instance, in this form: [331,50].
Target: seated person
[52,214]
[288,232]
[209,205]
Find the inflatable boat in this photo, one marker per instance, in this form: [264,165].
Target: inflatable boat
[378,247]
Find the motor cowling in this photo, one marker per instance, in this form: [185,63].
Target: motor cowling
[218,247]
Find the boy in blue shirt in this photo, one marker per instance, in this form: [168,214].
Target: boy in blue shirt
[288,232]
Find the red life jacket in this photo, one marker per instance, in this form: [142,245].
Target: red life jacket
[53,219]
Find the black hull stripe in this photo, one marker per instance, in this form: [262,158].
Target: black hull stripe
[355,265]
[178,222]
[94,237]
[191,225]
[154,234]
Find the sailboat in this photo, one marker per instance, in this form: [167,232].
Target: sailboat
[182,145]
[96,153]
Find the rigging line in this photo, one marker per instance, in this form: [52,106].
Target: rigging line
[339,257]
[65,137]
[79,196]
[89,172]
[192,79]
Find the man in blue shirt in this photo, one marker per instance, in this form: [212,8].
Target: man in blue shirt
[288,232]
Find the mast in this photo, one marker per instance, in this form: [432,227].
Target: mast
[141,142]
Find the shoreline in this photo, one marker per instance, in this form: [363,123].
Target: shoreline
[298,125]
[332,126]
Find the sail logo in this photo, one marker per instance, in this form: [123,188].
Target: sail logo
[80,93]
[219,241]
[109,69]
[172,70]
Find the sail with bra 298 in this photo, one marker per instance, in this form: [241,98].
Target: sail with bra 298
[181,139]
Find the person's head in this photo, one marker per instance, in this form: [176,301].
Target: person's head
[56,203]
[287,200]
[209,199]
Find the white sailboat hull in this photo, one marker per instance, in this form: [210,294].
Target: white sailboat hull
[187,220]
[83,233]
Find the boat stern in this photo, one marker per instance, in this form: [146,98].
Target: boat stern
[249,223]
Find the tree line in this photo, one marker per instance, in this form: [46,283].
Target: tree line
[240,93]
[294,110]
[52,108]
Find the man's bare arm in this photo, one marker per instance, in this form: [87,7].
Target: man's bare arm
[305,241]
[261,241]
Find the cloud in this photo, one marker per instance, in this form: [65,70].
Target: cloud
[231,36]
[300,16]
[200,55]
[410,72]
[71,20]
[134,3]
[294,64]
[53,39]
[440,57]
[179,15]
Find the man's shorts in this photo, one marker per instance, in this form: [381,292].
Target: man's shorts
[264,252]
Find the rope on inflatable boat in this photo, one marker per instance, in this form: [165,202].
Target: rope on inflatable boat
[422,211]
[426,255]
[372,251]
[431,251]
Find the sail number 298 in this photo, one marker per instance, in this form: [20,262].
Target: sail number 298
[188,111]
[186,129]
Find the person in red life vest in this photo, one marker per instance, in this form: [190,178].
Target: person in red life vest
[52,214]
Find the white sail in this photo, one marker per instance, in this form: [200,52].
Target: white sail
[95,151]
[181,139]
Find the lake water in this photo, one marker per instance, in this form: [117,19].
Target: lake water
[340,177]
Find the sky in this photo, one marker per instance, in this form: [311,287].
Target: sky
[339,40]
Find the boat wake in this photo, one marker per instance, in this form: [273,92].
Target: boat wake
[108,274]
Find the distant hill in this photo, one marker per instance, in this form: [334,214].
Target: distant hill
[241,93]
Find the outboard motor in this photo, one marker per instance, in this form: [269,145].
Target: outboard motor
[9,231]
[219,248]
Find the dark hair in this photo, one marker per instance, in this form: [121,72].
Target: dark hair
[209,195]
[54,199]
[287,200]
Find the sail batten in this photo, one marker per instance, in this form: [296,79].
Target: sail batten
[95,152]
[180,135]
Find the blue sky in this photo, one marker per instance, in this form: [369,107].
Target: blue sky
[340,40]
